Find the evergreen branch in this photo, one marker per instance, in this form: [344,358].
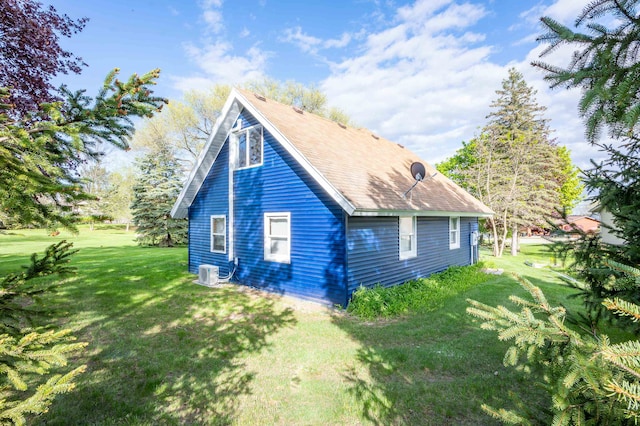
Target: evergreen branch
[505,416]
[623,308]
[41,399]
[628,392]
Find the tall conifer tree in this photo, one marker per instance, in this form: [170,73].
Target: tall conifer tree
[156,190]
[605,66]
[515,163]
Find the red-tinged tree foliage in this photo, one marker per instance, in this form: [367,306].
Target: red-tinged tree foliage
[30,53]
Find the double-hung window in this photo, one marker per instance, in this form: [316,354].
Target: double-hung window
[407,226]
[454,233]
[218,234]
[277,237]
[250,143]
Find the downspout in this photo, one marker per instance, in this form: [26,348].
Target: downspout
[346,259]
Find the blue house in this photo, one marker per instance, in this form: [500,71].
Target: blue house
[304,206]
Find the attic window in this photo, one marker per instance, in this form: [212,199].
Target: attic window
[249,144]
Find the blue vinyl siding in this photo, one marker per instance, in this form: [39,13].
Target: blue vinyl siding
[373,257]
[317,267]
[212,199]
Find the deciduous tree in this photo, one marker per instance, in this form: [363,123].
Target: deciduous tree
[119,196]
[30,52]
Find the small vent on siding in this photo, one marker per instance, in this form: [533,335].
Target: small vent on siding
[344,126]
[375,136]
[298,110]
[259,96]
[401,146]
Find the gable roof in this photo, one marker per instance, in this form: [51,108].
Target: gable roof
[365,173]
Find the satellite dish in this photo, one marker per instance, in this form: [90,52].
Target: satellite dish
[418,171]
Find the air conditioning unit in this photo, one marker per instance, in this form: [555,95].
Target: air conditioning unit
[208,275]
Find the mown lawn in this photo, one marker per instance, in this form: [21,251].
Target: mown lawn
[163,350]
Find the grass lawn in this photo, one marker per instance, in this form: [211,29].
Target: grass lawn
[163,350]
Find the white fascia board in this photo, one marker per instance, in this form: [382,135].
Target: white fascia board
[206,158]
[297,155]
[418,213]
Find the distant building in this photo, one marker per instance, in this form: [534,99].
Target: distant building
[586,224]
[608,227]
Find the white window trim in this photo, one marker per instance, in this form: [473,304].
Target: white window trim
[267,238]
[211,233]
[236,140]
[455,245]
[414,241]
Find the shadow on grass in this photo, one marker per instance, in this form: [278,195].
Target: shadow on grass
[162,350]
[435,368]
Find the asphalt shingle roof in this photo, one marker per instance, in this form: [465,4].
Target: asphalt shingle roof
[371,172]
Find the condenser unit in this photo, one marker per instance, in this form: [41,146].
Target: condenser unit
[208,275]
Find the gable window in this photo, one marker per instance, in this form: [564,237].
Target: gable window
[250,142]
[277,237]
[454,233]
[218,234]
[407,237]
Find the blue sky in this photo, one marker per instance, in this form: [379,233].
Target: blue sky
[421,73]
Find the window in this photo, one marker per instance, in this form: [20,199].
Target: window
[277,237]
[407,237]
[454,233]
[218,234]
[249,147]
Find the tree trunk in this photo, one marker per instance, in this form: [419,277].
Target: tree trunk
[503,240]
[494,231]
[514,240]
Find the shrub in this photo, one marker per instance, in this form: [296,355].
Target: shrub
[422,294]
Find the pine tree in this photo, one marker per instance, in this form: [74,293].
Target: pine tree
[39,185]
[156,190]
[515,164]
[28,350]
[589,379]
[604,66]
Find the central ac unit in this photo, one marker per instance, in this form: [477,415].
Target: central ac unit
[208,275]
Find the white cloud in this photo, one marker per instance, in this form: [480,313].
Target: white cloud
[212,15]
[218,61]
[311,44]
[427,80]
[305,42]
[420,82]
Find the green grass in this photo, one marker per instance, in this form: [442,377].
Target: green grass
[163,350]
